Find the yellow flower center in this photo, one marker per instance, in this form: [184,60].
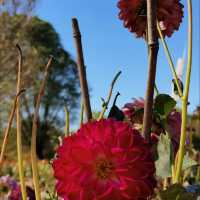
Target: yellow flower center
[104,169]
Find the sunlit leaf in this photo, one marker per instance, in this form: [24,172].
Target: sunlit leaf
[164,162]
[164,104]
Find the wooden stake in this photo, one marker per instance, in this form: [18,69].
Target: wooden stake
[81,69]
[153,52]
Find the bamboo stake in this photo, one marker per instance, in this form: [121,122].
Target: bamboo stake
[81,114]
[153,52]
[67,121]
[81,69]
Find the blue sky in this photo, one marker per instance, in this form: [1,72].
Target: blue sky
[108,48]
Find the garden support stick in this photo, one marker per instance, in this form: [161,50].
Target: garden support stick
[105,104]
[19,131]
[34,133]
[181,150]
[153,52]
[81,69]
[67,122]
[81,114]
[7,130]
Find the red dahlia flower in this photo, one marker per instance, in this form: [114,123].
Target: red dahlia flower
[133,13]
[104,160]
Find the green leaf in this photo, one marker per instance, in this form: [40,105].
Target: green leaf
[164,104]
[176,192]
[164,162]
[188,162]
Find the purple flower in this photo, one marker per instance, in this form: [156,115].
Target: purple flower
[14,191]
[13,187]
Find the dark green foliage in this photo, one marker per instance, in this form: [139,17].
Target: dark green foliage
[115,112]
[176,192]
[164,104]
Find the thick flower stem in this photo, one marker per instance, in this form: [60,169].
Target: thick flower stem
[153,52]
[181,150]
[19,134]
[34,133]
[81,69]
[169,58]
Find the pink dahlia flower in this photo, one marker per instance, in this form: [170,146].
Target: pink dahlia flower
[133,13]
[173,121]
[104,160]
[130,110]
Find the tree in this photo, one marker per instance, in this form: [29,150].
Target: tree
[17,6]
[38,40]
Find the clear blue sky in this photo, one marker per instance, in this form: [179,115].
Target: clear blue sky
[108,48]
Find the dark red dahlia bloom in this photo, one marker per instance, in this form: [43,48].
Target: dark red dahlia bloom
[104,160]
[174,127]
[133,13]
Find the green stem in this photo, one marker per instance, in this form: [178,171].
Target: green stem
[19,133]
[185,97]
[105,104]
[34,163]
[169,58]
[198,174]
[156,89]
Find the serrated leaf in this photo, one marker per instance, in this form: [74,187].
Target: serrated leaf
[164,162]
[164,104]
